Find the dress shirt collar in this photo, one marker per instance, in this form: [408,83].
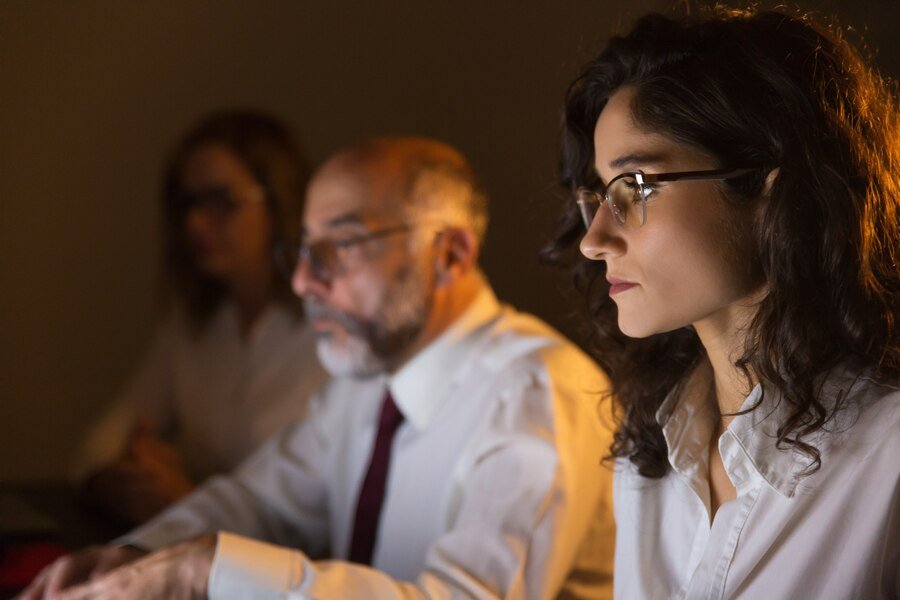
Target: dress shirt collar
[687,417]
[419,387]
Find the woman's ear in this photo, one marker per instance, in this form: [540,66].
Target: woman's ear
[770,181]
[457,254]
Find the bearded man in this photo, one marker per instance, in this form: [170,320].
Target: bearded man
[456,452]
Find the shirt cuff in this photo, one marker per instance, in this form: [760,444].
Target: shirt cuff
[247,568]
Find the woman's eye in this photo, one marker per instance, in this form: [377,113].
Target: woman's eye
[648,189]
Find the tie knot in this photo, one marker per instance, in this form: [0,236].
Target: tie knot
[391,417]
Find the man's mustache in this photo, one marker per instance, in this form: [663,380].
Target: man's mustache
[316,310]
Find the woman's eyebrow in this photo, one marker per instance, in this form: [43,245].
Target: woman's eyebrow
[632,159]
[637,159]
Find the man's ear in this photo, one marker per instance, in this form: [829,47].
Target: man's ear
[457,254]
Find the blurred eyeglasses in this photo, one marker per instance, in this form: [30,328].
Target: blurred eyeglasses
[325,255]
[626,195]
[218,202]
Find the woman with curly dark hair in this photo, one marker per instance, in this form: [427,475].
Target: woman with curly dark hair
[738,179]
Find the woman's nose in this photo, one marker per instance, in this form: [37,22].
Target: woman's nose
[603,238]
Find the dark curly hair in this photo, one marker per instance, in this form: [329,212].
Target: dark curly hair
[265,146]
[769,90]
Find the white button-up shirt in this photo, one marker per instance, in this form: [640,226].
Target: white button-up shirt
[495,487]
[833,534]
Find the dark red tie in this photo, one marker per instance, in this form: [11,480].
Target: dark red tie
[371,495]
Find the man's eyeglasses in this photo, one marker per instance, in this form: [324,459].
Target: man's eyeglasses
[218,202]
[626,194]
[324,255]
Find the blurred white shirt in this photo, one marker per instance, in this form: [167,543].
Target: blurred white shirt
[219,393]
[495,487]
[834,534]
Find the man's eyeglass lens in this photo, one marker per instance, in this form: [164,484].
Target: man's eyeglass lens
[322,257]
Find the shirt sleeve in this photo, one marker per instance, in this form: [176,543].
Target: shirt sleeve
[535,517]
[254,570]
[278,494]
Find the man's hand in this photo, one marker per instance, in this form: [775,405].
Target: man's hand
[78,567]
[179,572]
[145,480]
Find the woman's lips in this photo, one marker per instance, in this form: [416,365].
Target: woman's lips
[617,285]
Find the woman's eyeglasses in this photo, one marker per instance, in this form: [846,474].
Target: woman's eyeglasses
[218,202]
[626,194]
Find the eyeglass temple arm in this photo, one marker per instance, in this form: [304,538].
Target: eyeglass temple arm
[374,235]
[715,174]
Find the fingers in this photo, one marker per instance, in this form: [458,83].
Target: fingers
[180,571]
[97,589]
[35,591]
[56,576]
[77,568]
[69,570]
[115,558]
[146,578]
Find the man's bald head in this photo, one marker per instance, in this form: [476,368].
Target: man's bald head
[427,179]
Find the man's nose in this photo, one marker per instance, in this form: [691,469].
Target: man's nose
[305,281]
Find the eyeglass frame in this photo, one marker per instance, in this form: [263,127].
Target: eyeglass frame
[644,178]
[184,201]
[303,250]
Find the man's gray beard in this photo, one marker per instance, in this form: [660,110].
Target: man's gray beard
[369,347]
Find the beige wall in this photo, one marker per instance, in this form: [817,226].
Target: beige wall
[93,92]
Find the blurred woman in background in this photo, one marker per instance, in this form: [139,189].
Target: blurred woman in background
[737,177]
[233,360]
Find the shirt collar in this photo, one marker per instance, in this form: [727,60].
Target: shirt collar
[755,436]
[688,421]
[757,431]
[419,387]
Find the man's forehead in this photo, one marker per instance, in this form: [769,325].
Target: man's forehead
[345,195]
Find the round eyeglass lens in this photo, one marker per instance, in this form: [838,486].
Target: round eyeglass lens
[323,259]
[588,204]
[626,202]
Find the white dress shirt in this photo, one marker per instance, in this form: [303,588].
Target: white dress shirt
[834,534]
[495,487]
[219,393]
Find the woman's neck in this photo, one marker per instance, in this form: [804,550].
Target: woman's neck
[724,337]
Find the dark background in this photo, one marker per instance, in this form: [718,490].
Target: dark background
[93,93]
